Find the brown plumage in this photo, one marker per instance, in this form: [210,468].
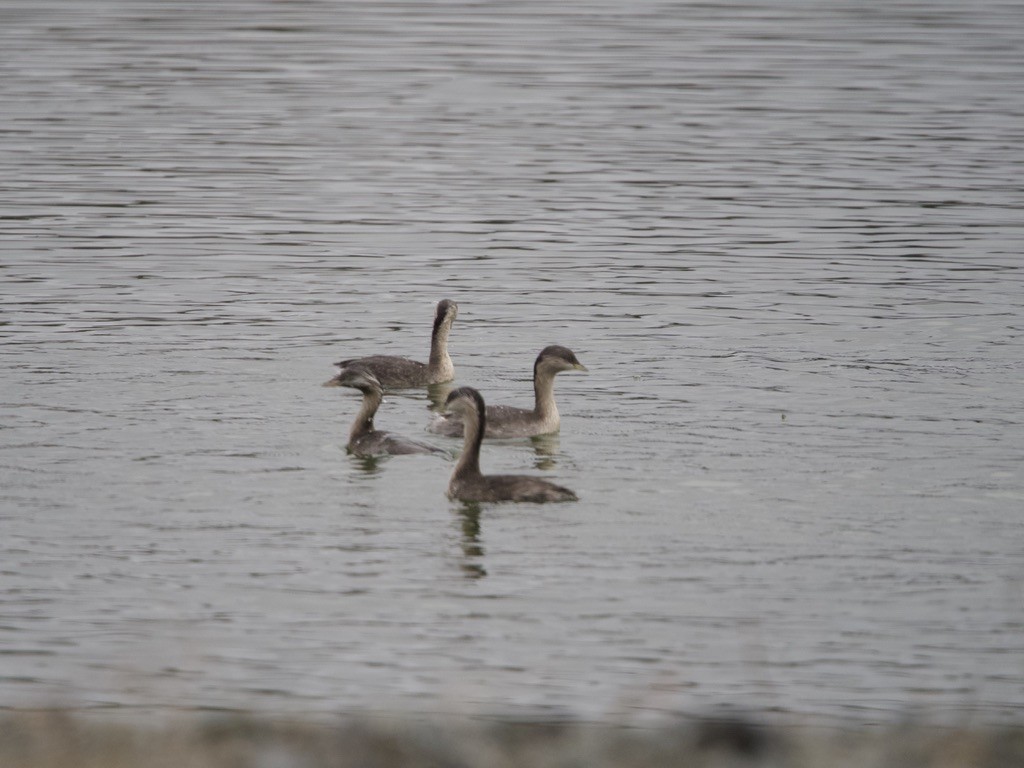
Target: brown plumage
[400,372]
[469,484]
[509,421]
[363,439]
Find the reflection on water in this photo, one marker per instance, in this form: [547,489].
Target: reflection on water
[784,237]
[371,465]
[547,448]
[437,394]
[472,548]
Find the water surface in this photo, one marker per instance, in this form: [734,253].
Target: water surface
[785,238]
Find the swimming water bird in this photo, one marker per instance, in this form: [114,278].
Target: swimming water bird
[508,421]
[400,372]
[468,484]
[363,439]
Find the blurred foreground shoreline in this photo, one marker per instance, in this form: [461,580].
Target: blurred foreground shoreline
[58,738]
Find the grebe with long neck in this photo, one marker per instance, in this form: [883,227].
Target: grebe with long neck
[468,483]
[400,372]
[363,439]
[509,421]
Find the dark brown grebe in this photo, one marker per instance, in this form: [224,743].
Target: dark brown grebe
[468,484]
[508,421]
[400,373]
[363,439]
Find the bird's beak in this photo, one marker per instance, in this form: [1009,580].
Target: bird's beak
[335,382]
[580,367]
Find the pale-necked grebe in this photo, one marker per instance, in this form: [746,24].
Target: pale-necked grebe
[399,372]
[468,484]
[508,421]
[363,439]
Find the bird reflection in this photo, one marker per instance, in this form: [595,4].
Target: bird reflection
[371,465]
[472,549]
[547,448]
[437,394]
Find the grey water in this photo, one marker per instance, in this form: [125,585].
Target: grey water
[785,237]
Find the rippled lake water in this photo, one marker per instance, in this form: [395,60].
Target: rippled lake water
[785,238]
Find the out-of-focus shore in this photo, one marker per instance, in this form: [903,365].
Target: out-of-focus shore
[57,739]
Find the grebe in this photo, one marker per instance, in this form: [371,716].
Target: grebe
[507,421]
[363,439]
[468,484]
[400,373]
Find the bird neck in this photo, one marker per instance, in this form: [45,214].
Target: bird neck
[473,425]
[364,419]
[439,359]
[544,394]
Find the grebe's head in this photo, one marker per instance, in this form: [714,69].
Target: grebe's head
[556,358]
[357,377]
[464,401]
[445,313]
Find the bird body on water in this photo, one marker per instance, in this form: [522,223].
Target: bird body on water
[509,421]
[402,373]
[468,483]
[363,439]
